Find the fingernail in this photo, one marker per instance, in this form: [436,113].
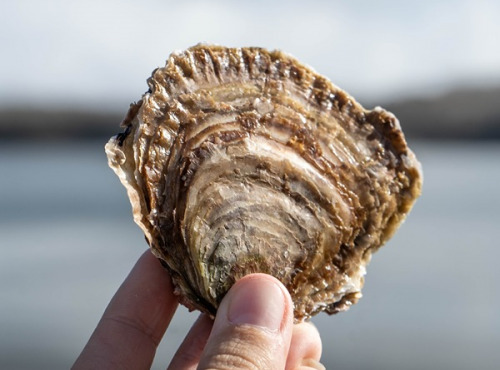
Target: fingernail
[258,302]
[312,364]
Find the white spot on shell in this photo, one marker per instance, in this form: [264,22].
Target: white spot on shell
[263,106]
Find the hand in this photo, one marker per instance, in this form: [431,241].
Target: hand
[253,328]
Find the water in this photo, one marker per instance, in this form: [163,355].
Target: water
[67,241]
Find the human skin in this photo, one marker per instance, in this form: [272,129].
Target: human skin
[253,328]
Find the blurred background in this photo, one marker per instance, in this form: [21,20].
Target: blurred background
[70,69]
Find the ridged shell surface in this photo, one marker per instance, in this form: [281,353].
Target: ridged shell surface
[242,160]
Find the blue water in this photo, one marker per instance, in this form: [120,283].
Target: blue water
[431,297]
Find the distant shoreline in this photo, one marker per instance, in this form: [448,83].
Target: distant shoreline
[468,114]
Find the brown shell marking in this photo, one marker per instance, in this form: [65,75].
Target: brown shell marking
[241,160]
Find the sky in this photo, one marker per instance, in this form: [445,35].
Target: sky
[97,54]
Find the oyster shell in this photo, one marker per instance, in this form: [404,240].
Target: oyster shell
[242,160]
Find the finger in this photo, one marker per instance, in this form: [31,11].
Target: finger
[253,327]
[134,321]
[188,355]
[305,348]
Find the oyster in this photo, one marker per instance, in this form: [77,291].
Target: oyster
[242,160]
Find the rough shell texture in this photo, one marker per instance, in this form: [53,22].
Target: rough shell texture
[241,160]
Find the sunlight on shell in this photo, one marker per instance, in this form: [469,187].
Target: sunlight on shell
[242,160]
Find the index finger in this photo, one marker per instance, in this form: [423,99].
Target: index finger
[134,321]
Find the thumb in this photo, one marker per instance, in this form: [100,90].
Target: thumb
[253,327]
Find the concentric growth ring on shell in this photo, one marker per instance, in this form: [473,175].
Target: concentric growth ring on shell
[238,216]
[243,160]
